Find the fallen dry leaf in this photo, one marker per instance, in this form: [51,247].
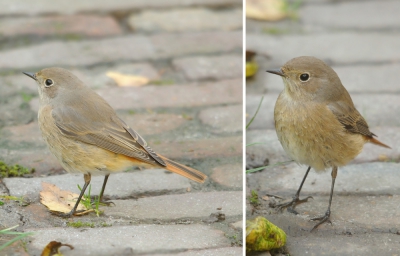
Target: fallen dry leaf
[270,10]
[52,249]
[127,80]
[58,200]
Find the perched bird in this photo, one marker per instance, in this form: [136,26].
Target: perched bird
[85,134]
[316,121]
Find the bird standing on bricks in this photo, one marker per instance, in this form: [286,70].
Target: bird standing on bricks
[86,136]
[316,122]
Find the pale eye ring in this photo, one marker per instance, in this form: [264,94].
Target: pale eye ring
[304,77]
[48,82]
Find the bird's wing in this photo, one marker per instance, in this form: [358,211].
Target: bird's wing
[105,130]
[350,118]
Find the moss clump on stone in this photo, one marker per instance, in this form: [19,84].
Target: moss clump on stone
[13,170]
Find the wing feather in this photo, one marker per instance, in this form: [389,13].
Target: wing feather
[350,118]
[108,132]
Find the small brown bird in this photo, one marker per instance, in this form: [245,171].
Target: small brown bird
[316,121]
[85,134]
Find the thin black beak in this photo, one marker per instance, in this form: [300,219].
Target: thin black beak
[31,75]
[276,72]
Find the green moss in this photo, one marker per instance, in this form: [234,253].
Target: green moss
[14,170]
[254,198]
[20,200]
[80,224]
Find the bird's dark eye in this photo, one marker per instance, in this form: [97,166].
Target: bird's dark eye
[304,77]
[48,82]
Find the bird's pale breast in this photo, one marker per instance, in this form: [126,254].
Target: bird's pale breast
[311,135]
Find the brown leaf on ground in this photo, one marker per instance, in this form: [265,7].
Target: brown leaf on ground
[57,200]
[270,10]
[52,249]
[127,80]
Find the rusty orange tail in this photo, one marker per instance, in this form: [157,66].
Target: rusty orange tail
[184,170]
[377,142]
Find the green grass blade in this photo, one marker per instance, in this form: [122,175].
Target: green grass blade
[258,108]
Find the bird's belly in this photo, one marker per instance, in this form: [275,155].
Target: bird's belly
[79,157]
[311,135]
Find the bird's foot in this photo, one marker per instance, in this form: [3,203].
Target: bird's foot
[292,204]
[322,219]
[105,203]
[70,214]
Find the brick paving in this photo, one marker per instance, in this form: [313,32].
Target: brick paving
[360,40]
[190,111]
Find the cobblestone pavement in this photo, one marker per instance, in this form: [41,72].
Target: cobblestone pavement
[360,40]
[190,112]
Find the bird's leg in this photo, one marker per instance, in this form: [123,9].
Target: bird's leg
[296,199]
[325,217]
[102,192]
[87,178]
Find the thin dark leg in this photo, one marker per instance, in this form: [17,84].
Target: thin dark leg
[87,178]
[325,218]
[103,187]
[102,192]
[292,204]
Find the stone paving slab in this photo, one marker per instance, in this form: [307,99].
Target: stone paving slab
[131,239]
[227,251]
[355,78]
[90,52]
[226,119]
[210,67]
[349,214]
[40,159]
[229,175]
[26,7]
[195,19]
[97,77]
[184,206]
[120,185]
[192,95]
[15,110]
[267,151]
[354,47]
[368,212]
[173,45]
[360,245]
[370,106]
[198,149]
[354,15]
[85,25]
[265,116]
[363,179]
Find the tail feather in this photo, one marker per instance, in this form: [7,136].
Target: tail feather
[377,142]
[184,170]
